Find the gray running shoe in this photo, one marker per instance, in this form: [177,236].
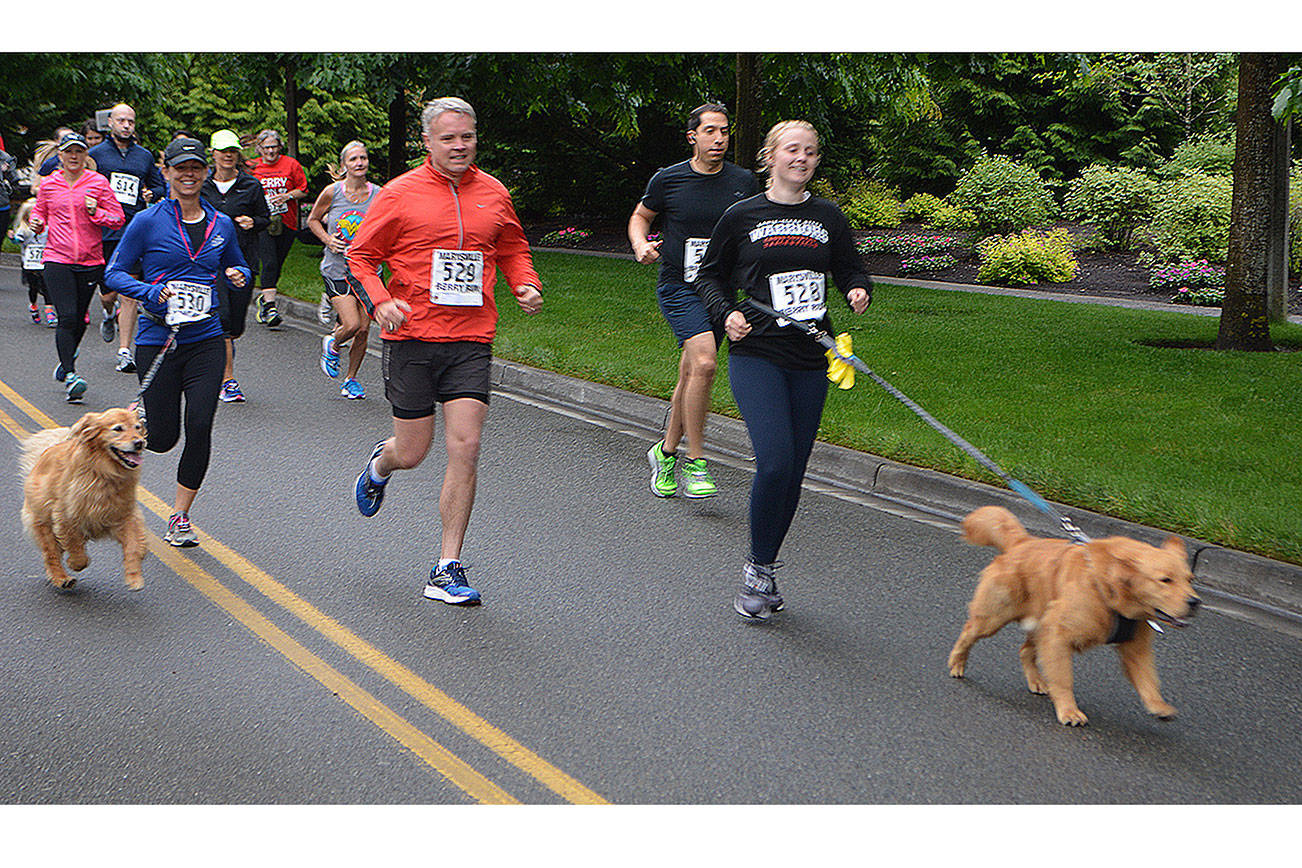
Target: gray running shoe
[758,597]
[108,328]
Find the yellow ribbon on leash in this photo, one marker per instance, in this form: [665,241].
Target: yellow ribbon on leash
[839,371]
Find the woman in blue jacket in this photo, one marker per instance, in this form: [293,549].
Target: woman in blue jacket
[180,246]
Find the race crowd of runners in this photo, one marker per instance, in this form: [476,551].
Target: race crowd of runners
[177,249]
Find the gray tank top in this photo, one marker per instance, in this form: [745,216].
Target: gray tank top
[343,218]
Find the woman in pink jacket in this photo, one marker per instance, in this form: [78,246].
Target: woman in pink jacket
[74,203]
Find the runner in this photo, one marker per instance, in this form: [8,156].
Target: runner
[690,195]
[237,194]
[31,245]
[136,182]
[75,204]
[778,247]
[335,218]
[284,182]
[443,229]
[180,246]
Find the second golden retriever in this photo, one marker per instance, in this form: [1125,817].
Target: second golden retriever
[1071,597]
[79,484]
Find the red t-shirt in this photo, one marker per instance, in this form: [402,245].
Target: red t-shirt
[284,174]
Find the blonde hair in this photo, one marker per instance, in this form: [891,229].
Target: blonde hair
[337,173]
[771,142]
[21,215]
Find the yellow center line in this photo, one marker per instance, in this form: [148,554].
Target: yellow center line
[457,771]
[400,676]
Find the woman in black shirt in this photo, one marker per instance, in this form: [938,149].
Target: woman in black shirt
[778,247]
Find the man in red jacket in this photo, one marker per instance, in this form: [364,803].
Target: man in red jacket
[444,229]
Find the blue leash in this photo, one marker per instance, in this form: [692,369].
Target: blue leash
[1068,526]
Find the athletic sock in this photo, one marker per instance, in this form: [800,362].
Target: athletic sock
[375,477]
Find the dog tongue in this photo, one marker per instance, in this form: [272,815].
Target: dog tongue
[132,458]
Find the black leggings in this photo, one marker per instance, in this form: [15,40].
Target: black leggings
[195,371]
[782,409]
[272,250]
[70,289]
[35,279]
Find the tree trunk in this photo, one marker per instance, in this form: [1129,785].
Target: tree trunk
[1244,322]
[397,133]
[291,110]
[746,121]
[1277,262]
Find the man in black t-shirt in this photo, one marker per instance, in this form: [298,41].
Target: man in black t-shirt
[691,196]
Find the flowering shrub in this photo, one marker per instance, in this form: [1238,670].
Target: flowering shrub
[916,264]
[950,218]
[567,237]
[911,244]
[1203,296]
[1029,257]
[1196,274]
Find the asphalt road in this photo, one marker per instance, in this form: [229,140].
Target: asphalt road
[292,659]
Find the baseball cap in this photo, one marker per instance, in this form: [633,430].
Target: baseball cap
[223,139]
[182,150]
[71,139]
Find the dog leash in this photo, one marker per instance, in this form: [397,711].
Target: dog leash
[153,370]
[1069,527]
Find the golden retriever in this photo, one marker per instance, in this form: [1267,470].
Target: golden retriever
[1070,597]
[79,484]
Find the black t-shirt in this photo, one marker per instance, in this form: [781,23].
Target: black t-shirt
[781,255]
[690,203]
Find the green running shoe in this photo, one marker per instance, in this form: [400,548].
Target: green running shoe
[663,483]
[697,481]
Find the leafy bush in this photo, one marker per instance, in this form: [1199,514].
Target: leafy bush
[911,244]
[871,203]
[917,264]
[1211,154]
[1191,218]
[951,218]
[1003,194]
[567,237]
[1195,274]
[922,207]
[875,244]
[1116,200]
[1029,257]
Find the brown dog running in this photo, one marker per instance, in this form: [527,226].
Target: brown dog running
[1071,597]
[80,484]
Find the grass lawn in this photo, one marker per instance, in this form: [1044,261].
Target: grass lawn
[1094,406]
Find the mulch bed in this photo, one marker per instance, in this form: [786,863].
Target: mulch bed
[1106,274]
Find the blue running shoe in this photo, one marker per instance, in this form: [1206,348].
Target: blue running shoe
[329,357]
[448,584]
[370,494]
[352,390]
[76,388]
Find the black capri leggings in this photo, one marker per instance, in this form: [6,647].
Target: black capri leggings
[70,289]
[272,250]
[190,370]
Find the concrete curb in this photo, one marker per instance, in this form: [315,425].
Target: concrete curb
[1240,576]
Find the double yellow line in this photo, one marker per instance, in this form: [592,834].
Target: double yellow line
[454,769]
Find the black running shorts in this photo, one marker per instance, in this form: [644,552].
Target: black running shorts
[420,374]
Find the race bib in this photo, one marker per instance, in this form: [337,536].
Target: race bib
[32,255]
[189,302]
[276,207]
[798,295]
[457,278]
[125,187]
[693,253]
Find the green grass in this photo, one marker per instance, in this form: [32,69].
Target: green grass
[1093,406]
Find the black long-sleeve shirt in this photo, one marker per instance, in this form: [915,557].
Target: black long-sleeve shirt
[781,255]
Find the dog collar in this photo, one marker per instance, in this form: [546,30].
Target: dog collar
[1123,629]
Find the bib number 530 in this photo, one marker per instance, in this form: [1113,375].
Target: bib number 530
[188,302]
